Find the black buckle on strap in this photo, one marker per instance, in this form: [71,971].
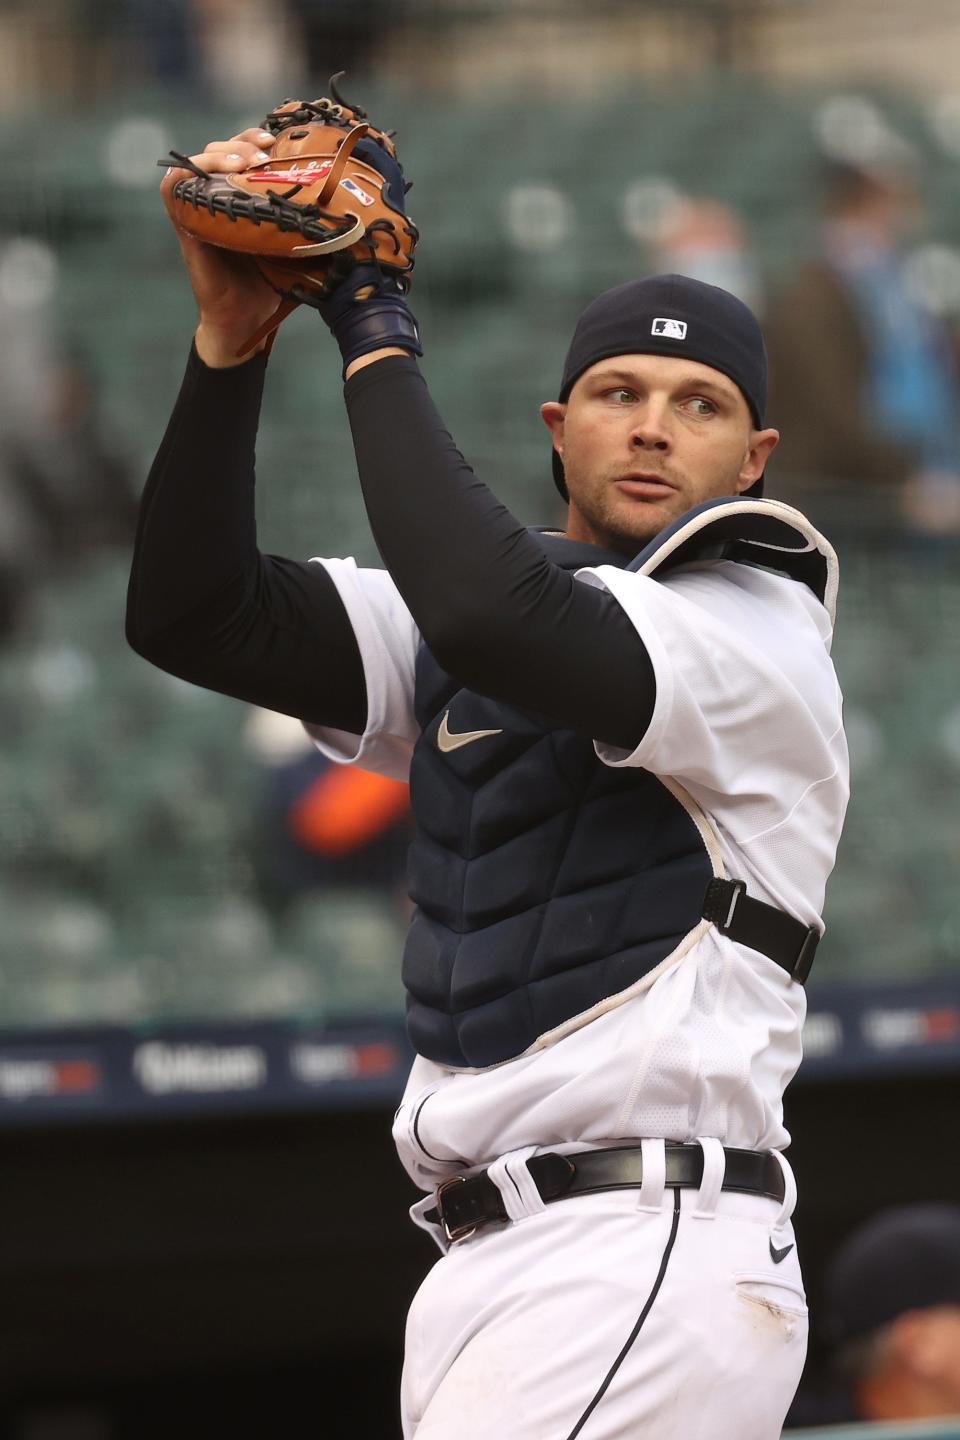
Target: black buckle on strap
[721,901]
[804,961]
[465,1202]
[460,1211]
[789,943]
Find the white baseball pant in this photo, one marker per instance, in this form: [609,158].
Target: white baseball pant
[615,1316]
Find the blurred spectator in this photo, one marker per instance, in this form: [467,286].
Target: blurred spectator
[319,824]
[343,34]
[78,490]
[65,493]
[708,241]
[892,1313]
[149,40]
[252,53]
[864,382]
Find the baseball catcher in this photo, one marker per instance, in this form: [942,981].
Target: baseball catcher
[628,775]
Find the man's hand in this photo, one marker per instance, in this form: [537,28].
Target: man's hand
[233,298]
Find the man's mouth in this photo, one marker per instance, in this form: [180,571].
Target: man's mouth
[644,485]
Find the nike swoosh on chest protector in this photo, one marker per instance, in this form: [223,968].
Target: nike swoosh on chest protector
[447,740]
[777,1255]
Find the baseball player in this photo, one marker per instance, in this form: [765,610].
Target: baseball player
[628,775]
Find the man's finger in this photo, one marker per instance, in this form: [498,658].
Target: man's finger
[222,157]
[212,162]
[233,149]
[254,136]
[218,162]
[244,146]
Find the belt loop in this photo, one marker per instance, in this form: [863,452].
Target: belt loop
[714,1168]
[654,1176]
[790,1191]
[418,1212]
[517,1187]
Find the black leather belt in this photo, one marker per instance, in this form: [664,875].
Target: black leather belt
[467,1202]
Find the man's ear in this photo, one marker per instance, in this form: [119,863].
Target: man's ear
[552,414]
[762,444]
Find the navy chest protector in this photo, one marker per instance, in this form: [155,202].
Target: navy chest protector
[547,885]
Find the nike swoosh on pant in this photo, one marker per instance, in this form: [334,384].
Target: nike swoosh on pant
[448,740]
[777,1255]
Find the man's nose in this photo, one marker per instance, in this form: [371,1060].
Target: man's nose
[650,431]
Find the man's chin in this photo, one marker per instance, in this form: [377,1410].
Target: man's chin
[623,522]
[625,541]
[631,529]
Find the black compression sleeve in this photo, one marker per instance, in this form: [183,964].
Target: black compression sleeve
[203,602]
[493,609]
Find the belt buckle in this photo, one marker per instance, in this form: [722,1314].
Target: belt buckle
[454,1233]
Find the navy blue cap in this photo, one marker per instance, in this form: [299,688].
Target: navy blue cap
[903,1259]
[671,315]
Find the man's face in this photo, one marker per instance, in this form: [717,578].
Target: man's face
[644,438]
[915,1373]
[942,1356]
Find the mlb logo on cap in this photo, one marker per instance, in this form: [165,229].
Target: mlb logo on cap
[673,329]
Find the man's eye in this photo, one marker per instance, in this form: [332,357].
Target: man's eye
[622,395]
[701,406]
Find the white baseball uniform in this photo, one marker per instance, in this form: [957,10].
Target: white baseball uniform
[620,1314]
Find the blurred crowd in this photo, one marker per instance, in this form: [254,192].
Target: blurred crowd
[864,373]
[209,49]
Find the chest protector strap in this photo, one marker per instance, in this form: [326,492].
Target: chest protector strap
[790,943]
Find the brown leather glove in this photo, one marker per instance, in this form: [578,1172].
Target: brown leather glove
[331,197]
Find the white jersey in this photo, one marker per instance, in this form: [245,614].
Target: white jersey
[747,732]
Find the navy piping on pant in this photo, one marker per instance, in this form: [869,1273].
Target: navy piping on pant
[639,1325]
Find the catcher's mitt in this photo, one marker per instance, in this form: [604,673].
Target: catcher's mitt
[329,198]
